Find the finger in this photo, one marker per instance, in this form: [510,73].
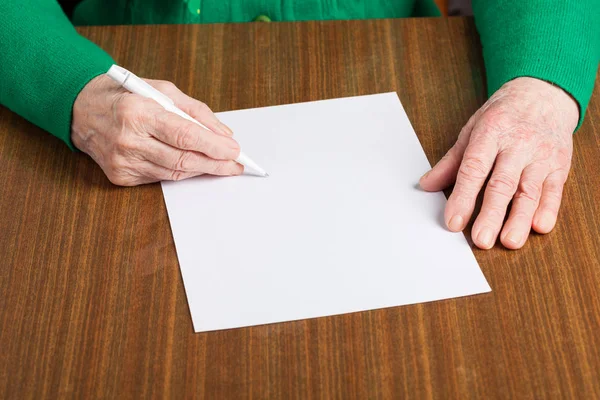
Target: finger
[150,172]
[443,174]
[499,192]
[171,129]
[525,202]
[547,212]
[174,159]
[474,168]
[196,109]
[202,113]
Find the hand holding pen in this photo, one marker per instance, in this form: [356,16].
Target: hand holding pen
[136,140]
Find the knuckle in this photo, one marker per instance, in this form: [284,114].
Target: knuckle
[494,120]
[451,154]
[529,190]
[445,158]
[116,177]
[127,109]
[462,200]
[218,168]
[115,164]
[564,157]
[124,143]
[185,138]
[553,192]
[467,128]
[494,212]
[502,183]
[544,150]
[184,161]
[164,85]
[202,107]
[472,168]
[162,122]
[212,151]
[522,214]
[118,180]
[177,175]
[122,103]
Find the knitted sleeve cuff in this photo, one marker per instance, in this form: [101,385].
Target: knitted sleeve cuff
[45,64]
[554,40]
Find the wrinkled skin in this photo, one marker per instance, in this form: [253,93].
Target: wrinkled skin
[136,141]
[523,136]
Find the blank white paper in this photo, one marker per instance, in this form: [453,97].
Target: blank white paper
[339,226]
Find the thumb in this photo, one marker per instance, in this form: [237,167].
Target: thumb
[194,108]
[443,174]
[203,114]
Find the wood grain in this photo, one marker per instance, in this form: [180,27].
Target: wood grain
[92,304]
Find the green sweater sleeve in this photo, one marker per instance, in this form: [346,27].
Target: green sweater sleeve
[44,63]
[554,40]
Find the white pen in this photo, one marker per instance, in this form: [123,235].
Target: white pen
[138,86]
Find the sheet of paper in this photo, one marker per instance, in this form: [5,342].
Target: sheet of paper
[339,226]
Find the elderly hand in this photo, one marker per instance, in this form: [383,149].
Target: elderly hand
[523,136]
[136,141]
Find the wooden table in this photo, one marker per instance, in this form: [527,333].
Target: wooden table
[92,304]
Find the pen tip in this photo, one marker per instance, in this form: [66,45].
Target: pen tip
[266,175]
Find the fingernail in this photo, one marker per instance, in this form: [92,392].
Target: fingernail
[514,237]
[237,169]
[456,223]
[425,175]
[485,237]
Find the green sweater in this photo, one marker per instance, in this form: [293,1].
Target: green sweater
[44,63]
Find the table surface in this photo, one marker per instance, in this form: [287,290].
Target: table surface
[92,303]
